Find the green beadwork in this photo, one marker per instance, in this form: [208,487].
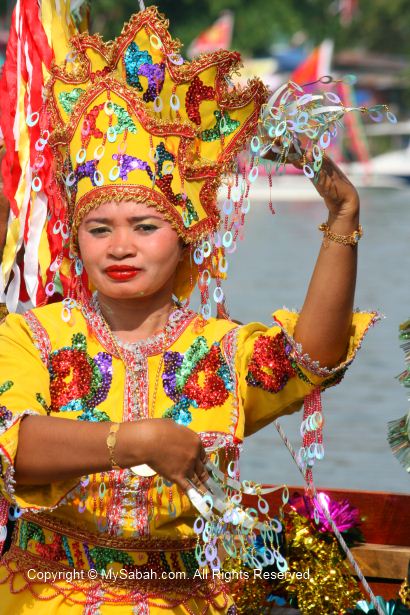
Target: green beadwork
[190,563]
[191,359]
[68,100]
[334,378]
[163,156]
[180,412]
[43,402]
[6,386]
[66,547]
[102,557]
[124,120]
[164,562]
[300,373]
[224,126]
[190,215]
[30,531]
[79,342]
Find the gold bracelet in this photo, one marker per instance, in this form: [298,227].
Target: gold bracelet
[346,240]
[111,442]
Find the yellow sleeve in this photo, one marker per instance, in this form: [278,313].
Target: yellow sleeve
[274,376]
[24,389]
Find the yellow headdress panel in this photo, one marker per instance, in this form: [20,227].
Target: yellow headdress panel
[133,121]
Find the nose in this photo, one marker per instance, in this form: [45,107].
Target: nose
[122,244]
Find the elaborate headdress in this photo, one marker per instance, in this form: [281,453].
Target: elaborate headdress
[125,120]
[86,121]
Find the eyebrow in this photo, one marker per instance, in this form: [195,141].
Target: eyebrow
[132,219]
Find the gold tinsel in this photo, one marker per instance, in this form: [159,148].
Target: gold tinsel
[330,588]
[248,592]
[404,593]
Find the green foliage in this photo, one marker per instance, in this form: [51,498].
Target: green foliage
[257,24]
[378,25]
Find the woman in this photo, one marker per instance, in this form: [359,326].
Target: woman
[127,376]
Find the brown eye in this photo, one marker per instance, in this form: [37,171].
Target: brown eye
[146,228]
[99,230]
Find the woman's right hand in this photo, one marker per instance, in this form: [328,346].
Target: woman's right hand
[173,451]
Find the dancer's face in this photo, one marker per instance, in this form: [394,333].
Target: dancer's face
[129,250]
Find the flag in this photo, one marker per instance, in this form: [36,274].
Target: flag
[218,36]
[354,124]
[316,65]
[347,10]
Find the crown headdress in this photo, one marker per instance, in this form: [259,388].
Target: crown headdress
[131,120]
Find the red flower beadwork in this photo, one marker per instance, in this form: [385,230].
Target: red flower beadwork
[270,367]
[197,92]
[72,377]
[212,392]
[53,551]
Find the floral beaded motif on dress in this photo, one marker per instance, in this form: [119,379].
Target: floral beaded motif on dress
[89,384]
[270,367]
[182,380]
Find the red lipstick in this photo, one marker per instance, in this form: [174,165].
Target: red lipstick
[122,272]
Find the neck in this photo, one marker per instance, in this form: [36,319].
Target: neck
[135,319]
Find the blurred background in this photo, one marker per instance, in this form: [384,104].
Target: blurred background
[303,40]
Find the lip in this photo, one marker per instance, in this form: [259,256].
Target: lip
[122,272]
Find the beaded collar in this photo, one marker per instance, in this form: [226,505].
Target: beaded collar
[156,344]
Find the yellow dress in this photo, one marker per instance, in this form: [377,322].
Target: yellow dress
[115,542]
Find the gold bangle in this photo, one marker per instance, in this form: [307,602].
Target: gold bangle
[346,240]
[111,442]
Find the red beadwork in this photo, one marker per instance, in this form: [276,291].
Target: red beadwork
[73,364]
[312,404]
[212,392]
[270,367]
[164,184]
[79,561]
[53,551]
[196,93]
[91,117]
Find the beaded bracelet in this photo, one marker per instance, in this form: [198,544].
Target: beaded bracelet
[111,442]
[346,240]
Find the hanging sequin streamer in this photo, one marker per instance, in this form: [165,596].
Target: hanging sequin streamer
[223,522]
[311,431]
[296,122]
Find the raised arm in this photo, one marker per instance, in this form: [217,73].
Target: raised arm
[325,319]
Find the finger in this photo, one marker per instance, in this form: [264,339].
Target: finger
[185,484]
[203,456]
[201,471]
[194,484]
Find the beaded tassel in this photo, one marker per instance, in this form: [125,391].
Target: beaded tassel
[311,431]
[4,513]
[94,601]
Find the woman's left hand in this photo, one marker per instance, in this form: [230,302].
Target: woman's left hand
[339,194]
